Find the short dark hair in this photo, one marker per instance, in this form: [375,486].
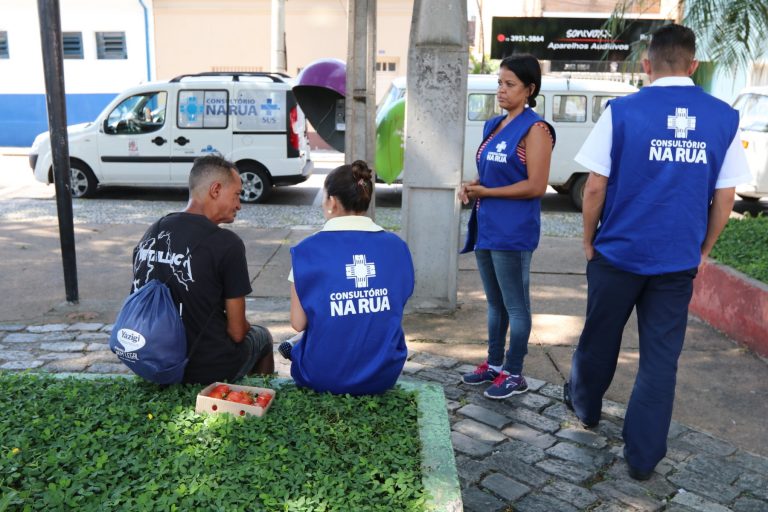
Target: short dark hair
[528,70]
[208,168]
[352,185]
[672,47]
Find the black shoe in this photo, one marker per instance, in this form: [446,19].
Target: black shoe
[639,475]
[569,404]
[567,396]
[285,349]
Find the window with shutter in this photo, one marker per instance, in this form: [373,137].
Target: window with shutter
[111,45]
[3,44]
[72,44]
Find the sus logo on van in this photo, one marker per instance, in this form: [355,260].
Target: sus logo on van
[130,340]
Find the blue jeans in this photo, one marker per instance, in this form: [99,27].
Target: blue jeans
[506,280]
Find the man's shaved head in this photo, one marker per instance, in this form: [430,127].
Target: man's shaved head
[672,48]
[208,169]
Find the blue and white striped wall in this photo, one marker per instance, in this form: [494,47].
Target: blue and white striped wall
[89,83]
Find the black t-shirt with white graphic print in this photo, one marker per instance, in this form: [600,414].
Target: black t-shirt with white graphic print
[215,270]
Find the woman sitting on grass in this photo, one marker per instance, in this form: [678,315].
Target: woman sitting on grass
[351,281]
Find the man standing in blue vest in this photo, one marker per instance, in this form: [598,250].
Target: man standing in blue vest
[661,192]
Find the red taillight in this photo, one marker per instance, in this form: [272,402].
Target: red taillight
[293,136]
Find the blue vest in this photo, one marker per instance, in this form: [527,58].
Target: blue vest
[353,286]
[669,143]
[505,224]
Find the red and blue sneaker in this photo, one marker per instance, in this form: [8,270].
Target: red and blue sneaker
[482,373]
[506,385]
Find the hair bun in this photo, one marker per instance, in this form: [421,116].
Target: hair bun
[361,171]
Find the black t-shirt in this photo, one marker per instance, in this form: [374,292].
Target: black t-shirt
[215,270]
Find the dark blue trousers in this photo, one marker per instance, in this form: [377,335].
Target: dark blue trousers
[662,315]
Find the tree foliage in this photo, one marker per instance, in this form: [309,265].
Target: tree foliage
[730,33]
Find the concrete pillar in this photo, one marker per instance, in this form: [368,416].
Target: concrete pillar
[279,60]
[435,118]
[360,136]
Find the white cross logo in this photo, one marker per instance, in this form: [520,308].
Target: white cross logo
[681,123]
[360,270]
[501,146]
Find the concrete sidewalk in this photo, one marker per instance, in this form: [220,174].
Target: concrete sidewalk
[722,388]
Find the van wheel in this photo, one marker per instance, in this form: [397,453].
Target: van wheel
[256,183]
[560,189]
[82,181]
[577,191]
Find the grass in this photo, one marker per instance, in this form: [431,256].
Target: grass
[743,245]
[123,444]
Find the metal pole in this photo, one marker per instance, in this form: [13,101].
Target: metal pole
[279,57]
[370,106]
[53,64]
[360,136]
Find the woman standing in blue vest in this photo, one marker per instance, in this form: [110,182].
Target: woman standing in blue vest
[513,167]
[351,282]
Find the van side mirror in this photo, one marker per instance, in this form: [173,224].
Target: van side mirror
[105,128]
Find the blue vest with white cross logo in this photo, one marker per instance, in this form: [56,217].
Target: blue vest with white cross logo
[353,286]
[669,143]
[507,224]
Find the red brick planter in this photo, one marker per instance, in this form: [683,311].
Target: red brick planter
[732,303]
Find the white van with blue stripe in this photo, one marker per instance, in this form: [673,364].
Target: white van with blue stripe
[149,135]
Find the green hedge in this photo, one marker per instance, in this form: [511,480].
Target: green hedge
[743,245]
[122,444]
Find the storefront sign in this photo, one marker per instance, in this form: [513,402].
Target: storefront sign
[567,39]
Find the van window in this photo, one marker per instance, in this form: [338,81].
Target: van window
[598,106]
[569,109]
[481,107]
[259,110]
[753,112]
[142,113]
[203,109]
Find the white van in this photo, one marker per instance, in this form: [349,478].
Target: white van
[572,106]
[752,104]
[149,135]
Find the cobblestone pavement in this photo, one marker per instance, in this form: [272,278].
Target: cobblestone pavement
[527,453]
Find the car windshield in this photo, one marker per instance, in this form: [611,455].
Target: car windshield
[393,94]
[142,113]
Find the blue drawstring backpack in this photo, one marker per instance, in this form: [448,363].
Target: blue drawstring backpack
[149,335]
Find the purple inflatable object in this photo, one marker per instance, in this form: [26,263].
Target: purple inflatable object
[328,73]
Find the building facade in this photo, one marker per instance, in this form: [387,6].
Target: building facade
[107,47]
